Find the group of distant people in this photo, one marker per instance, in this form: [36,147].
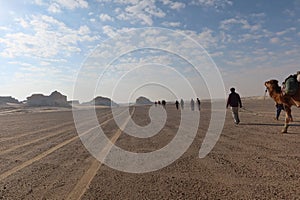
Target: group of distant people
[234,101]
[192,104]
[163,103]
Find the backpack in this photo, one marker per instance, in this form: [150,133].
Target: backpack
[291,85]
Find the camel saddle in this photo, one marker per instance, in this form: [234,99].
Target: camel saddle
[291,85]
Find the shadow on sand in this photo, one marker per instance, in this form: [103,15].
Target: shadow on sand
[266,124]
[269,124]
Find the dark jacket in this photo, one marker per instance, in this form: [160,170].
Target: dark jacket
[234,100]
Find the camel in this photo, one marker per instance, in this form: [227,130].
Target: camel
[288,101]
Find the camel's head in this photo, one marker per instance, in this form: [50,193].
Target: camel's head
[272,85]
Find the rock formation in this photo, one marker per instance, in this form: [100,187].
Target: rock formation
[143,101]
[9,99]
[55,99]
[102,101]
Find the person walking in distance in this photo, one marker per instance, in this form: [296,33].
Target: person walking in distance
[198,103]
[192,105]
[177,104]
[182,104]
[234,101]
[163,102]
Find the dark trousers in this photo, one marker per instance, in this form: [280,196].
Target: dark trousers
[278,110]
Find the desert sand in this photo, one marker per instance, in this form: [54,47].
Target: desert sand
[42,157]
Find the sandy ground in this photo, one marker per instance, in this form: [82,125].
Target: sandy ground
[41,157]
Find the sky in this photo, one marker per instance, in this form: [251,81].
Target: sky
[167,49]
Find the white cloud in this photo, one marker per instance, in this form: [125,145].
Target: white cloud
[225,38]
[141,11]
[280,33]
[289,12]
[20,63]
[258,15]
[244,24]
[293,52]
[205,38]
[254,27]
[226,24]
[212,3]
[172,24]
[44,63]
[109,31]
[106,17]
[137,11]
[117,10]
[84,30]
[39,2]
[47,38]
[54,8]
[144,11]
[4,28]
[173,5]
[247,37]
[22,22]
[72,4]
[274,40]
[217,54]
[177,5]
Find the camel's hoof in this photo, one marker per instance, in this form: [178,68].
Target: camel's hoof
[284,131]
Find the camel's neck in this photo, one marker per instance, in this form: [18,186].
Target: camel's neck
[276,96]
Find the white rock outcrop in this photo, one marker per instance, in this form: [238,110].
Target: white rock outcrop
[143,101]
[54,99]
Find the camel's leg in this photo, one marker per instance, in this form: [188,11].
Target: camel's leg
[287,119]
[291,118]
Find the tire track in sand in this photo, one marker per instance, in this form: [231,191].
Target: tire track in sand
[49,151]
[40,139]
[35,132]
[41,130]
[32,142]
[83,184]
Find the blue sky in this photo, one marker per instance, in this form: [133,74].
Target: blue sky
[44,44]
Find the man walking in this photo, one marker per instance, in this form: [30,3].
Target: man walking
[234,101]
[192,104]
[177,104]
[198,103]
[182,104]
